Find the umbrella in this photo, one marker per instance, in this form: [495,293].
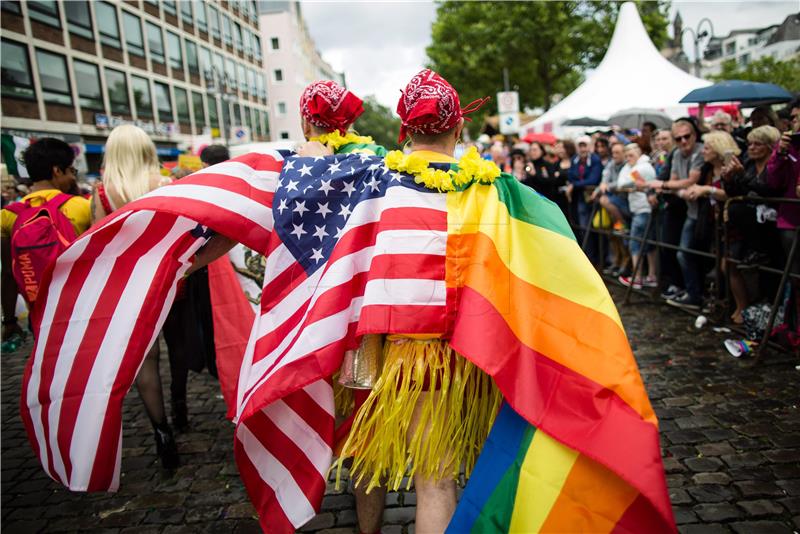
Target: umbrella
[738,91]
[540,137]
[585,121]
[633,118]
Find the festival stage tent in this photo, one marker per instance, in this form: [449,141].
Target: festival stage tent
[632,74]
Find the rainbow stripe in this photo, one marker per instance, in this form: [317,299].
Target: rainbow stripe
[577,447]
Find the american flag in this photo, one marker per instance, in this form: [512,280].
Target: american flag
[352,248]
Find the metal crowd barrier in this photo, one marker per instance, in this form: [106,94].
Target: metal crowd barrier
[720,236]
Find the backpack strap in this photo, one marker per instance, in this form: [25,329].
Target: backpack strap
[59,200]
[16,207]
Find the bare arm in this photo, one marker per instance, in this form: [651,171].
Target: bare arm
[97,208]
[215,248]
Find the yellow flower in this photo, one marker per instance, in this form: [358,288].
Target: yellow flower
[415,164]
[334,139]
[394,159]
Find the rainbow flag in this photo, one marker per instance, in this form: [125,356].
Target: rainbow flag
[576,447]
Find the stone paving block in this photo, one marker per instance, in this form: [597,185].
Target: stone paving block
[679,496]
[747,459]
[703,528]
[717,512]
[399,515]
[343,530]
[679,437]
[695,421]
[715,449]
[392,529]
[761,527]
[760,507]
[712,493]
[711,478]
[347,518]
[758,488]
[790,487]
[783,455]
[338,502]
[671,465]
[683,516]
[701,465]
[242,510]
[165,516]
[783,471]
[124,518]
[320,521]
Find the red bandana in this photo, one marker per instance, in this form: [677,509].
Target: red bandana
[329,105]
[430,105]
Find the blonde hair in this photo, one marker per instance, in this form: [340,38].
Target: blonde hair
[721,142]
[129,162]
[633,146]
[766,135]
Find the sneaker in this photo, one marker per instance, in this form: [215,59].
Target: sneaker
[685,301]
[650,281]
[670,292]
[626,281]
[610,269]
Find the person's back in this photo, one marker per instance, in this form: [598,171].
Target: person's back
[36,229]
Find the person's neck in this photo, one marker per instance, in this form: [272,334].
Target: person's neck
[447,150]
[760,164]
[41,185]
[717,168]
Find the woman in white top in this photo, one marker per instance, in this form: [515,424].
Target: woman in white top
[635,175]
[131,170]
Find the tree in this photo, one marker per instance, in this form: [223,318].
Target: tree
[766,69]
[545,46]
[378,122]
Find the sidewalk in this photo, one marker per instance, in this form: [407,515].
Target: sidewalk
[730,435]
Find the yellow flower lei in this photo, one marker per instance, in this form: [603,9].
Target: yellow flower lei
[334,139]
[471,168]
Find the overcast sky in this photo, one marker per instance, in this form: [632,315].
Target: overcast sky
[381,45]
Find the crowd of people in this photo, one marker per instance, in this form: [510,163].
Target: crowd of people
[680,177]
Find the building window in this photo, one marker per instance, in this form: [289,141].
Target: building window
[170,7]
[237,36]
[242,74]
[744,60]
[155,42]
[174,47]
[213,21]
[182,105]
[277,75]
[257,46]
[248,48]
[45,12]
[251,75]
[87,78]
[117,92]
[226,30]
[191,56]
[281,108]
[237,114]
[284,135]
[199,110]
[205,61]
[730,48]
[200,15]
[12,6]
[219,68]
[133,34]
[53,77]
[186,12]
[79,18]
[213,113]
[163,102]
[274,43]
[16,70]
[262,85]
[230,74]
[264,123]
[141,97]
[107,24]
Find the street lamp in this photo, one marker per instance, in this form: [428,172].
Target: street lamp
[218,86]
[697,35]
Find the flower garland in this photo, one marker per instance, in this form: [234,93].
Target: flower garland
[471,168]
[334,139]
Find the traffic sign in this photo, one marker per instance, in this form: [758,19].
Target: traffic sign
[508,102]
[509,123]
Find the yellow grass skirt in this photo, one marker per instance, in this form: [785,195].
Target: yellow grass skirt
[459,404]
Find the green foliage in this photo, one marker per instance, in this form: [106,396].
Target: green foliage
[377,121]
[545,46]
[766,69]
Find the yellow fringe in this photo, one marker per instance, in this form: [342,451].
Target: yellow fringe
[343,399]
[453,421]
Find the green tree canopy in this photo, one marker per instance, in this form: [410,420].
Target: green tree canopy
[377,121]
[545,46]
[766,69]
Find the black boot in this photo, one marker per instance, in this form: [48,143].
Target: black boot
[180,418]
[166,447]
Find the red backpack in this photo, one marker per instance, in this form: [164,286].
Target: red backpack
[39,235]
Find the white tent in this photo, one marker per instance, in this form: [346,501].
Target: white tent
[632,74]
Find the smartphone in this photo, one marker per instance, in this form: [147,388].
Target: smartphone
[795,137]
[727,156]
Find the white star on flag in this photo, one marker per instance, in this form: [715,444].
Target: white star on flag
[305,170]
[300,207]
[345,212]
[291,186]
[364,157]
[320,233]
[348,188]
[317,255]
[298,230]
[396,176]
[374,167]
[282,206]
[326,186]
[334,167]
[288,165]
[339,232]
[373,184]
[323,209]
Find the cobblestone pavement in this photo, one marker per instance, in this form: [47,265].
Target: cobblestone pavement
[730,436]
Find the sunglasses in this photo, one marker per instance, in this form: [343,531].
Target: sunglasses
[680,138]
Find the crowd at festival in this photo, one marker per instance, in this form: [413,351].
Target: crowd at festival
[681,177]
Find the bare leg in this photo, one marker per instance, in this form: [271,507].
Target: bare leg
[369,508]
[436,496]
[739,292]
[652,257]
[616,215]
